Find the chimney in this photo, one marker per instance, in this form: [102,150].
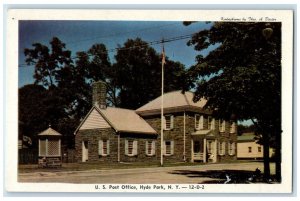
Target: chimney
[99,94]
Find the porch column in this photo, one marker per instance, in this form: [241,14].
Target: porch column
[204,150]
[215,152]
[119,147]
[192,151]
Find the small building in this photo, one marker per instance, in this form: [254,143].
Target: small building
[249,149]
[113,134]
[49,148]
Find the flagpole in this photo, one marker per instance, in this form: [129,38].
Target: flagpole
[162,107]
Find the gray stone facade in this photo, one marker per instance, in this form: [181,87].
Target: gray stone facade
[92,137]
[177,134]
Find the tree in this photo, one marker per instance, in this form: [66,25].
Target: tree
[66,85]
[138,74]
[47,63]
[241,77]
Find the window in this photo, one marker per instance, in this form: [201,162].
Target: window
[231,148]
[221,148]
[103,147]
[150,148]
[259,149]
[249,149]
[49,147]
[199,122]
[168,122]
[209,146]
[222,125]
[131,147]
[211,123]
[232,127]
[168,147]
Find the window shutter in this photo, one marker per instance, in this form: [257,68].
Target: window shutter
[197,121]
[201,121]
[172,147]
[232,130]
[108,147]
[100,147]
[153,148]
[229,146]
[172,122]
[126,147]
[233,148]
[135,147]
[146,147]
[213,126]
[164,123]
[219,148]
[164,148]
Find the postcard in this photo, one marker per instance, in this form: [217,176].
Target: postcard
[149,101]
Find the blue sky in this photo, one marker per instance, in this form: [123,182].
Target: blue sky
[81,35]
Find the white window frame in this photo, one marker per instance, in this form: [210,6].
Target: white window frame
[232,127]
[222,124]
[134,145]
[221,148]
[171,151]
[171,124]
[199,123]
[101,147]
[150,144]
[212,123]
[210,146]
[231,148]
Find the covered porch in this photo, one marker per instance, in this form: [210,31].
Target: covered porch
[204,146]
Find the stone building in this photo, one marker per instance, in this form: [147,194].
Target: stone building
[120,135]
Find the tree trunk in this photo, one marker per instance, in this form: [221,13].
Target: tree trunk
[266,157]
[278,157]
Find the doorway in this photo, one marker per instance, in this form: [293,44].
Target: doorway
[197,150]
[85,151]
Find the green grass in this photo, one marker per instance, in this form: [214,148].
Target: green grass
[98,166]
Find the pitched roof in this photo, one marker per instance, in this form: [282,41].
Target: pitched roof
[123,120]
[175,99]
[246,137]
[49,132]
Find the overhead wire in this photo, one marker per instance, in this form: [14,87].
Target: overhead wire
[156,42]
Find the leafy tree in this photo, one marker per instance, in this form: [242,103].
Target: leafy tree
[138,74]
[67,91]
[245,129]
[241,77]
[47,62]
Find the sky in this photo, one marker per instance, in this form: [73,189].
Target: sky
[81,35]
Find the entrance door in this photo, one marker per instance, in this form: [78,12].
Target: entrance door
[85,151]
[197,150]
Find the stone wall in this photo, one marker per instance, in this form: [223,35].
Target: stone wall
[177,134]
[92,136]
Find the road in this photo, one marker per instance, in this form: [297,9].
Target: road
[162,175]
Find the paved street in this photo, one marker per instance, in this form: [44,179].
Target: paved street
[163,175]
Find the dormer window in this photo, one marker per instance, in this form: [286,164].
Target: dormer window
[199,120]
